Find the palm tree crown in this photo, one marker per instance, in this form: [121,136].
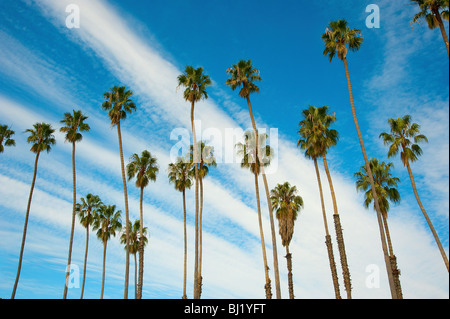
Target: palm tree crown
[180,174]
[248,152]
[430,9]
[107,222]
[402,130]
[144,168]
[195,83]
[118,103]
[74,124]
[287,204]
[6,135]
[315,135]
[385,184]
[243,75]
[87,209]
[338,36]
[41,137]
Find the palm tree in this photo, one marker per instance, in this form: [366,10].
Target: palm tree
[434,11]
[287,204]
[42,139]
[118,103]
[315,137]
[248,153]
[74,124]
[6,136]
[337,37]
[107,222]
[145,169]
[195,83]
[315,131]
[135,241]
[402,130]
[244,76]
[386,187]
[206,160]
[86,212]
[179,175]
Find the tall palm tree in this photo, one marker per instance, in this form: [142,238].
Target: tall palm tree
[434,12]
[244,76]
[315,137]
[145,169]
[74,124]
[118,103]
[386,187]
[206,160]
[195,83]
[138,235]
[287,205]
[42,139]
[6,136]
[86,211]
[249,161]
[337,37]
[179,175]
[402,131]
[315,132]
[107,222]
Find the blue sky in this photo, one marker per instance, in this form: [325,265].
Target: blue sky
[48,69]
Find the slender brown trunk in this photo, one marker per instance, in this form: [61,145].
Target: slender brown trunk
[25,226]
[127,218]
[269,204]
[372,185]
[442,27]
[339,234]
[85,255]
[73,221]
[388,236]
[104,264]
[135,278]
[290,277]
[436,237]
[196,291]
[141,247]
[392,258]
[185,245]
[200,278]
[328,237]
[267,286]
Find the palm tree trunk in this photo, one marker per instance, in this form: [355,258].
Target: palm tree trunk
[73,221]
[200,279]
[85,256]
[196,290]
[269,204]
[141,247]
[267,286]
[328,237]
[339,234]
[372,186]
[393,259]
[104,263]
[290,277]
[185,245]
[25,227]
[436,237]
[442,27]
[127,218]
[135,278]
